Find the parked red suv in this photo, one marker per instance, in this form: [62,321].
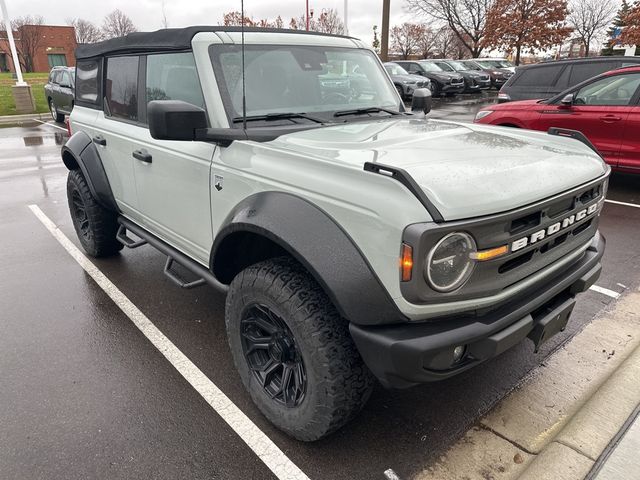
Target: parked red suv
[605,108]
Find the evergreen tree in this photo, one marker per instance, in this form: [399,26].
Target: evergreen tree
[616,28]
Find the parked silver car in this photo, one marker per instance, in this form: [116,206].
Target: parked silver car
[354,239]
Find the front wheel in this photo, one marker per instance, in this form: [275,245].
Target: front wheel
[293,351]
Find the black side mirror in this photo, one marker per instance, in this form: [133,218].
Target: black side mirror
[567,100]
[421,101]
[174,119]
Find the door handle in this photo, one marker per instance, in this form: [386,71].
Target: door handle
[100,140]
[142,155]
[610,118]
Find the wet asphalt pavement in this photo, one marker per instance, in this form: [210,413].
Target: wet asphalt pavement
[85,395]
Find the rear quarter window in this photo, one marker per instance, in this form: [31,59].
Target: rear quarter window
[584,71]
[543,76]
[87,84]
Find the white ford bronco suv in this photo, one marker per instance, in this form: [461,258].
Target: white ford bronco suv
[354,239]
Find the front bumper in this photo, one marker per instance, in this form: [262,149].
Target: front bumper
[408,354]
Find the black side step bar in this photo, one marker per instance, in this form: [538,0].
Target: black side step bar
[407,180]
[202,273]
[575,134]
[127,241]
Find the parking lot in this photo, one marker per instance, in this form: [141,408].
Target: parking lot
[85,393]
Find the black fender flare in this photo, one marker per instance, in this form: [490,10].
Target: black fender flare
[318,242]
[80,152]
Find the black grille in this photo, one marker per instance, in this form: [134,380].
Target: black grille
[495,275]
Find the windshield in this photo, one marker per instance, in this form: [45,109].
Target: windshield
[458,65]
[296,79]
[445,66]
[395,69]
[505,64]
[430,67]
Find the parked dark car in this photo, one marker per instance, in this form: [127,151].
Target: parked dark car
[405,82]
[474,81]
[59,92]
[499,76]
[442,82]
[547,79]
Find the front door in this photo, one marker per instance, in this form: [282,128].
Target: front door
[599,110]
[172,177]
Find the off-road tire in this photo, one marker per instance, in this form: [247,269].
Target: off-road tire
[97,229]
[338,384]
[57,117]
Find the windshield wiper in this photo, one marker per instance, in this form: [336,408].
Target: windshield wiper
[279,116]
[360,111]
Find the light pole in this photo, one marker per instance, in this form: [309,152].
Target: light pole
[384,41]
[21,91]
[346,13]
[12,45]
[307,15]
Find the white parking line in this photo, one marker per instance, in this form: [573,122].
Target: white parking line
[634,205]
[263,447]
[50,124]
[605,291]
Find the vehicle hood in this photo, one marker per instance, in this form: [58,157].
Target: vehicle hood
[515,105]
[466,170]
[409,78]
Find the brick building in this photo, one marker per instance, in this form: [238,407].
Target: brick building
[54,45]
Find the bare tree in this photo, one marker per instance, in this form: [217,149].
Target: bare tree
[117,24]
[405,38]
[445,42]
[327,22]
[86,31]
[28,39]
[427,41]
[465,18]
[590,18]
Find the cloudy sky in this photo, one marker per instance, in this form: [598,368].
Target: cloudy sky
[147,14]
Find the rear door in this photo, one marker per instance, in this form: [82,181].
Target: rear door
[600,110]
[630,149]
[65,92]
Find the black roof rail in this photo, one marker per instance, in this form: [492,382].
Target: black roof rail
[407,180]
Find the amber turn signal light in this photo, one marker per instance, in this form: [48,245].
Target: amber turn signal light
[406,262]
[484,255]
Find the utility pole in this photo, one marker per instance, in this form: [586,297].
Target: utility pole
[21,90]
[346,13]
[384,41]
[307,15]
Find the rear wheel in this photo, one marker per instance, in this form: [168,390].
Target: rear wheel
[95,226]
[57,117]
[293,351]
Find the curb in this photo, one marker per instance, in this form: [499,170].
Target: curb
[561,418]
[19,119]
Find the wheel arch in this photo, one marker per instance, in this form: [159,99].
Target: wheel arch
[80,153]
[272,224]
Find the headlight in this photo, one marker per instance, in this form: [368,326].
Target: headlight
[449,264]
[483,113]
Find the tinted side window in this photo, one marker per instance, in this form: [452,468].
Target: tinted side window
[539,76]
[616,90]
[173,76]
[584,71]
[121,87]
[65,79]
[88,82]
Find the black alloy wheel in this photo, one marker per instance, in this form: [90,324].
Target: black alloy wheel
[272,354]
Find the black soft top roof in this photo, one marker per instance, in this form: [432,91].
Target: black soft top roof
[167,39]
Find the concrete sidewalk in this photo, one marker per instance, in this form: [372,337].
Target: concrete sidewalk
[621,460]
[567,421]
[20,119]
